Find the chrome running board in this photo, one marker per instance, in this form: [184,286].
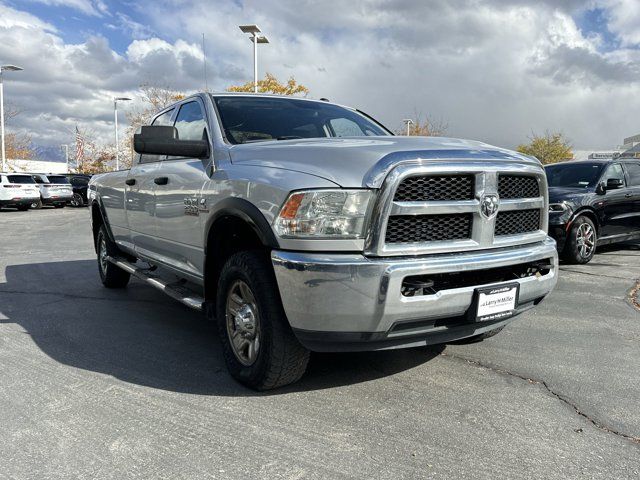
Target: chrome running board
[175,290]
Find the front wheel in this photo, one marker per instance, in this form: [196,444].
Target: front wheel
[259,347]
[110,274]
[581,241]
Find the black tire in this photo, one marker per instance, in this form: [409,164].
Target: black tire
[77,201]
[581,241]
[280,359]
[111,275]
[479,338]
[23,208]
[37,205]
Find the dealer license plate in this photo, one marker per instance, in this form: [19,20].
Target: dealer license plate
[496,303]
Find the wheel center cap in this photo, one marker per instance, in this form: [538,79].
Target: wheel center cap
[245,320]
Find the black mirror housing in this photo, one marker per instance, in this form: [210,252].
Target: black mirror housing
[163,140]
[614,183]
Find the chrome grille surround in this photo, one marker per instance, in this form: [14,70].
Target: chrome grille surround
[482,231]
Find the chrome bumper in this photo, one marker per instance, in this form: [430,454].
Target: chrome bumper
[353,302]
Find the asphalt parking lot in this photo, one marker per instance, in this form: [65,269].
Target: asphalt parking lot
[130,384]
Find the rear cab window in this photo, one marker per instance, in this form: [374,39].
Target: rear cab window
[162,120]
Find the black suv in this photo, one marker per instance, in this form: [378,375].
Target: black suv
[593,203]
[79,183]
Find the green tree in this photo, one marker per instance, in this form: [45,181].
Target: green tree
[548,148]
[270,84]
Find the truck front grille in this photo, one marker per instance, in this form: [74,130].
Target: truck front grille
[518,186]
[438,207]
[435,188]
[428,228]
[517,222]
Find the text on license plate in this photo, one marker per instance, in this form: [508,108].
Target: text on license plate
[498,302]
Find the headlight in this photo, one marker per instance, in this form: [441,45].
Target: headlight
[559,208]
[331,214]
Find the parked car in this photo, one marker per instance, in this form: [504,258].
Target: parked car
[79,184]
[301,225]
[18,190]
[593,203]
[55,190]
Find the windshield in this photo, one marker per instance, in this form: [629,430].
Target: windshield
[251,119]
[574,175]
[58,179]
[20,179]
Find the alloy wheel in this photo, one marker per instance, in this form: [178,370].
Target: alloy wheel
[243,323]
[585,240]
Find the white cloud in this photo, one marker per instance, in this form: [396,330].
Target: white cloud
[88,7]
[495,70]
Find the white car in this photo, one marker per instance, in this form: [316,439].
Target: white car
[55,190]
[18,190]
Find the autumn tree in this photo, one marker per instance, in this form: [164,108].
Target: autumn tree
[270,84]
[548,148]
[17,144]
[424,126]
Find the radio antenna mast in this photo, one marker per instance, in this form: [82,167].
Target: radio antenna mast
[204,55]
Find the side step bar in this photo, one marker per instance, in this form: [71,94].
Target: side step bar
[175,290]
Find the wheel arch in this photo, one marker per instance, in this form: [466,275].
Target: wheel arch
[587,212]
[99,218]
[235,225]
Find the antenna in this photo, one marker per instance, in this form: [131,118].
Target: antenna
[204,55]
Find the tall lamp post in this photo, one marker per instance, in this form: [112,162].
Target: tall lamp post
[253,30]
[408,122]
[115,115]
[3,68]
[66,155]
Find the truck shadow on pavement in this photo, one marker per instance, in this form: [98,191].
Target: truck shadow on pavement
[140,336]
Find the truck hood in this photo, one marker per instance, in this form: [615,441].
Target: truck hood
[354,162]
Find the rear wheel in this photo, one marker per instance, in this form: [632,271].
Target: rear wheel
[110,274]
[259,347]
[77,201]
[581,241]
[37,204]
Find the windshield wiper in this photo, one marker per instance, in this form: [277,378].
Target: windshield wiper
[284,137]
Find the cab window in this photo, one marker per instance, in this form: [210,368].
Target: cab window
[190,122]
[161,120]
[613,171]
[633,170]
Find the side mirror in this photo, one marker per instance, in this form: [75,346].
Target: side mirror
[163,140]
[614,183]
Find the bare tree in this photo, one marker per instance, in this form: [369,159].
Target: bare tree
[424,126]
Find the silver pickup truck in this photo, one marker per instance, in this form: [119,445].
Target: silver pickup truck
[300,225]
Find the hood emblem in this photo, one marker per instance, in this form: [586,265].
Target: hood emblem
[489,204]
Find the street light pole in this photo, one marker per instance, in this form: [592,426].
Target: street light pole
[253,30]
[115,116]
[66,155]
[408,122]
[8,68]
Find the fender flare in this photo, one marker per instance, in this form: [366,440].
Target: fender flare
[582,211]
[101,210]
[247,211]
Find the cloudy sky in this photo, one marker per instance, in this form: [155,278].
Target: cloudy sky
[494,70]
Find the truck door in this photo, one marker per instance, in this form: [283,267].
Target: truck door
[139,196]
[632,169]
[617,205]
[177,197]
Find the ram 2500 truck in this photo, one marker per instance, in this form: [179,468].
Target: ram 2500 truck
[301,225]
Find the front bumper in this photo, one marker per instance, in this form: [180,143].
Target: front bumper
[351,302]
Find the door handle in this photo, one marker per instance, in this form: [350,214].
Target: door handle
[161,180]
[130,181]
[627,195]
